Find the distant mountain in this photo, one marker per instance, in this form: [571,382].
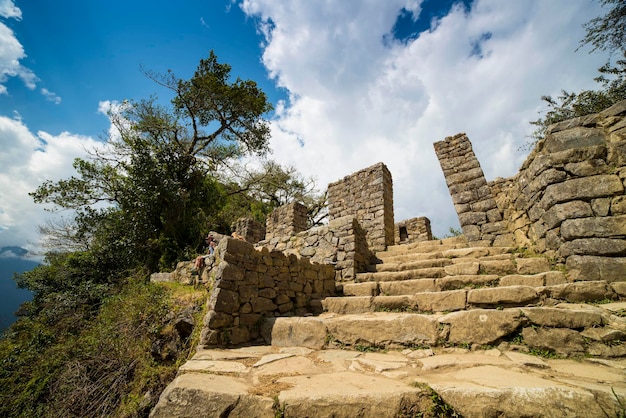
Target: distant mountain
[11,297]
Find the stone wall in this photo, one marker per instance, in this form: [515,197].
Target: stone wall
[286,220]
[249,230]
[567,201]
[366,195]
[342,243]
[250,284]
[413,230]
[473,201]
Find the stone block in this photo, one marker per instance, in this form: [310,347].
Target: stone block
[393,303]
[618,205]
[532,265]
[202,394]
[225,300]
[347,305]
[462,268]
[459,282]
[510,295]
[593,246]
[577,137]
[619,288]
[579,291]
[610,269]
[448,301]
[360,289]
[563,341]
[535,280]
[405,287]
[499,267]
[260,305]
[569,210]
[481,326]
[597,227]
[586,168]
[216,320]
[582,188]
[295,332]
[383,329]
[563,318]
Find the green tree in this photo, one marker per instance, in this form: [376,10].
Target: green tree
[156,180]
[259,191]
[605,33]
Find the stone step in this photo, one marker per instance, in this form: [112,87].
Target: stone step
[464,299]
[468,262]
[399,256]
[387,276]
[408,287]
[428,246]
[271,381]
[566,329]
[427,299]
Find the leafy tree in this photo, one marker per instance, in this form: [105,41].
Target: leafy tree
[606,33]
[269,186]
[145,201]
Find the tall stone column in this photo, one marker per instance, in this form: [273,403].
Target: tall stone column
[366,195]
[471,195]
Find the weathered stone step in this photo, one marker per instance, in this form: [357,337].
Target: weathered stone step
[565,329]
[462,263]
[427,246]
[408,287]
[405,254]
[386,276]
[271,381]
[463,299]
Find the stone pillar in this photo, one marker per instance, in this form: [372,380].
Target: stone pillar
[471,195]
[249,229]
[286,220]
[366,195]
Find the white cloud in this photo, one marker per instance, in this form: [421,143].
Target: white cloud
[11,51]
[50,96]
[355,101]
[8,10]
[26,161]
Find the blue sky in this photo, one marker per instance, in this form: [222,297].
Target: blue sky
[354,82]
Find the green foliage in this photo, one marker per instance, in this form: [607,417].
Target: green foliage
[607,33]
[103,366]
[157,179]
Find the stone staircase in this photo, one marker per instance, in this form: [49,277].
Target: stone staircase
[437,328]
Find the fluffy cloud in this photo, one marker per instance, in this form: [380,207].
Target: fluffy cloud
[27,160]
[358,97]
[8,10]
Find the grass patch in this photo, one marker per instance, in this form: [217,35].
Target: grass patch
[113,363]
[369,348]
[438,407]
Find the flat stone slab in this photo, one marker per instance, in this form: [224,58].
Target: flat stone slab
[213,366]
[300,381]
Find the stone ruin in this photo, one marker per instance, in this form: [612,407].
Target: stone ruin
[567,202]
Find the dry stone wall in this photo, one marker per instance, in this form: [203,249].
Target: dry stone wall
[249,230]
[342,243]
[286,220]
[568,199]
[366,195]
[250,284]
[413,230]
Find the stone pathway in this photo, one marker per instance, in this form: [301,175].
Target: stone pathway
[266,381]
